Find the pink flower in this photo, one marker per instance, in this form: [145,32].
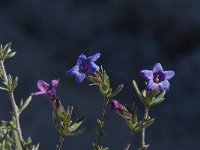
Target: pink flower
[47,90]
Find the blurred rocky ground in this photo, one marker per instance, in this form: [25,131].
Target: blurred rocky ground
[130,34]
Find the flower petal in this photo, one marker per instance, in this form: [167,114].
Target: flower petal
[54,84]
[42,86]
[164,85]
[157,68]
[80,59]
[80,77]
[38,93]
[73,71]
[94,57]
[169,74]
[146,74]
[151,86]
[92,68]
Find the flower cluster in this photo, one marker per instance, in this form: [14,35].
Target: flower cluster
[85,68]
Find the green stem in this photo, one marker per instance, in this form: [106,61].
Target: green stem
[17,142]
[60,143]
[100,129]
[130,140]
[13,103]
[143,145]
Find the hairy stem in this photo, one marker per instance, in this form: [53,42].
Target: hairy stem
[143,145]
[61,140]
[13,103]
[100,129]
[130,140]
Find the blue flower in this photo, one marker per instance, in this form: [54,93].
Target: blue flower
[84,67]
[157,78]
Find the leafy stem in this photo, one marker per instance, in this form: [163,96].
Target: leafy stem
[13,103]
[143,145]
[130,140]
[101,122]
[60,143]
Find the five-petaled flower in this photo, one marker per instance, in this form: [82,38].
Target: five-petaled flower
[47,90]
[157,78]
[116,106]
[84,67]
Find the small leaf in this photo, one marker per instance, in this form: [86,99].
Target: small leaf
[2,88]
[12,54]
[100,123]
[6,52]
[101,90]
[77,132]
[75,125]
[141,97]
[146,124]
[25,104]
[117,90]
[157,100]
[21,102]
[14,84]
[1,140]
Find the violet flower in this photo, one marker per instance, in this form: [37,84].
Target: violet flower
[116,106]
[84,67]
[157,78]
[47,90]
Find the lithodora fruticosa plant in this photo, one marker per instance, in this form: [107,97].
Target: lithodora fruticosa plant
[157,85]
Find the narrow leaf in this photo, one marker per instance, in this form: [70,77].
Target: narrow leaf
[25,104]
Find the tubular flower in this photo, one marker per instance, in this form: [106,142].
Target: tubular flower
[47,90]
[84,67]
[157,78]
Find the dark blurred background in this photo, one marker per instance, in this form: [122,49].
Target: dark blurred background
[131,35]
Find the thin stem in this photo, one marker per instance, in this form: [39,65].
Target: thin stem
[13,103]
[130,140]
[143,145]
[100,129]
[61,140]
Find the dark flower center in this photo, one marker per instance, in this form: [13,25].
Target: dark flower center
[158,77]
[84,67]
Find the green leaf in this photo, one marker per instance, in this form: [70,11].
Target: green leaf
[11,84]
[1,140]
[14,84]
[77,132]
[98,147]
[75,125]
[25,104]
[117,90]
[157,100]
[145,124]
[101,90]
[12,54]
[64,125]
[141,97]
[100,123]
[6,52]
[2,88]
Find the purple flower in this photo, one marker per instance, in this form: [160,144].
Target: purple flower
[47,90]
[157,78]
[116,106]
[84,67]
